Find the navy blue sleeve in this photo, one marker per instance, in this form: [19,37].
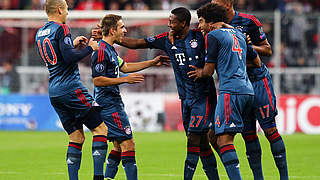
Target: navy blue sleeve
[99,63]
[212,44]
[256,31]
[157,42]
[251,53]
[69,54]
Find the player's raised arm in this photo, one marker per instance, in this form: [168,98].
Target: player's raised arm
[263,48]
[134,67]
[133,43]
[253,59]
[102,81]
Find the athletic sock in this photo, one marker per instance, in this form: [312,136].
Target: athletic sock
[193,153]
[113,162]
[99,151]
[209,163]
[253,154]
[129,164]
[279,154]
[74,160]
[230,161]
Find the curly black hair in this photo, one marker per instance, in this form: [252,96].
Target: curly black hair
[212,12]
[183,14]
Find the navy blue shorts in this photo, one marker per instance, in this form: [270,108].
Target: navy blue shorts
[117,121]
[197,114]
[75,110]
[264,105]
[231,112]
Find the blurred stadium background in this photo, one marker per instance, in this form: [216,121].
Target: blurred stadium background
[292,28]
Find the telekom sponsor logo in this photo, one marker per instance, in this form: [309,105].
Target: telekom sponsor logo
[299,113]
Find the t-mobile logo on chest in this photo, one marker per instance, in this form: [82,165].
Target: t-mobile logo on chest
[180,58]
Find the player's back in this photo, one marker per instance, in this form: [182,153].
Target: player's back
[231,61]
[250,25]
[63,77]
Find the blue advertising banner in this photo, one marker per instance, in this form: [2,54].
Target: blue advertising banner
[20,112]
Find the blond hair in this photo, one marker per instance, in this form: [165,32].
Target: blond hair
[110,21]
[52,5]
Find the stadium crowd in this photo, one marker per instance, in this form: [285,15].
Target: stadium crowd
[243,5]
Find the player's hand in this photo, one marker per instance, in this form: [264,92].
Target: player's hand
[248,38]
[161,60]
[196,73]
[94,44]
[134,78]
[96,33]
[80,41]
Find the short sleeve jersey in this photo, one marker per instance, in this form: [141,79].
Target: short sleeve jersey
[250,25]
[185,52]
[106,62]
[63,77]
[227,48]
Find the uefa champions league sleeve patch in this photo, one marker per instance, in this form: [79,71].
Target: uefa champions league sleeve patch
[151,39]
[67,40]
[99,68]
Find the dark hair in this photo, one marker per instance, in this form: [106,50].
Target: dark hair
[182,14]
[233,2]
[213,13]
[109,21]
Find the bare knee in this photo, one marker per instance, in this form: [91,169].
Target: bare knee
[102,129]
[225,139]
[127,145]
[77,137]
[269,131]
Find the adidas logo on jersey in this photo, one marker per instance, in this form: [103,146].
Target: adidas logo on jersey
[238,166]
[69,161]
[174,48]
[96,153]
[232,125]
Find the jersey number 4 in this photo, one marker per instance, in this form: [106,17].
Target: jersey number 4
[236,47]
[44,54]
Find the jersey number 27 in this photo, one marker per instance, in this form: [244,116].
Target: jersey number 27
[44,54]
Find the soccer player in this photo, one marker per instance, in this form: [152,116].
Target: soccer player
[226,53]
[106,66]
[198,98]
[265,109]
[70,99]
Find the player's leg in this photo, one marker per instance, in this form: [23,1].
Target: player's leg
[74,129]
[229,156]
[89,114]
[278,151]
[213,140]
[74,153]
[113,161]
[253,148]
[208,159]
[193,154]
[129,159]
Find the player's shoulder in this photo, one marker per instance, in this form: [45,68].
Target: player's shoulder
[161,35]
[63,27]
[250,18]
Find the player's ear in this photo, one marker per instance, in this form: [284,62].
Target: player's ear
[59,10]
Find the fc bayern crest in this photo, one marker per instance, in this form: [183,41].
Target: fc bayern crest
[193,43]
[128,130]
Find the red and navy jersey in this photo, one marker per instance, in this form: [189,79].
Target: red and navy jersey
[227,48]
[55,47]
[106,62]
[250,25]
[185,52]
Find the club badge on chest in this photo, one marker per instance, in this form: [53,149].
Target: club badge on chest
[194,43]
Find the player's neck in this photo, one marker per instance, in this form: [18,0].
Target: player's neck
[108,39]
[231,14]
[55,19]
[183,34]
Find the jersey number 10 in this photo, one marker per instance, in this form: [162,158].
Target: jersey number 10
[44,54]
[236,47]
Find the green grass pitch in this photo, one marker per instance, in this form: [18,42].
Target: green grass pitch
[160,156]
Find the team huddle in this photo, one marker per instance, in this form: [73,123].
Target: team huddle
[226,42]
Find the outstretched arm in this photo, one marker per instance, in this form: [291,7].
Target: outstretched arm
[105,81]
[133,43]
[134,67]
